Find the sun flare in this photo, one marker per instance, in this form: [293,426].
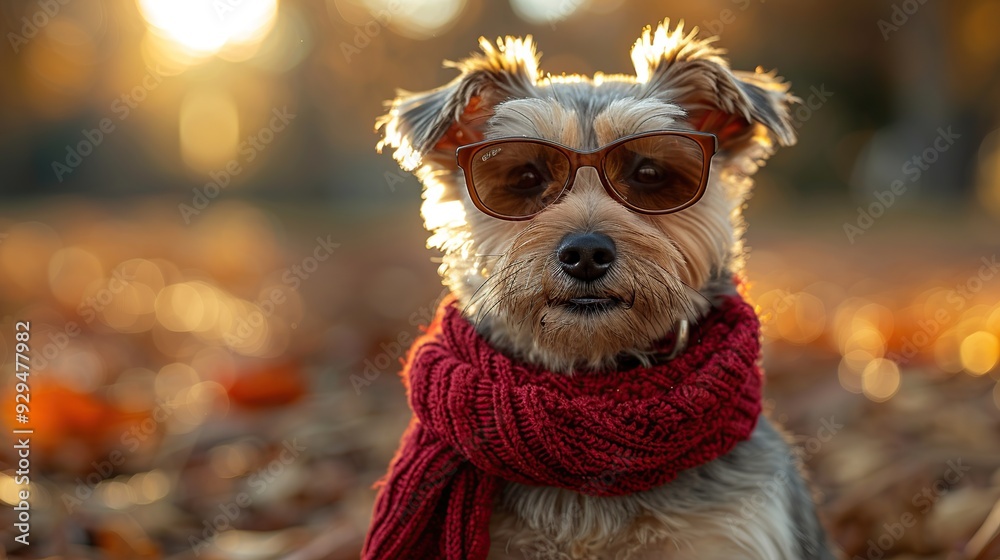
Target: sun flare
[201,28]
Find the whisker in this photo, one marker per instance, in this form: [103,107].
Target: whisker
[685,305]
[701,295]
[493,282]
[500,273]
[486,311]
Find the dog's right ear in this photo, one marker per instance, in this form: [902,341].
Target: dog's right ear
[428,127]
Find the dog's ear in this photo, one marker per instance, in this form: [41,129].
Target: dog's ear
[428,127]
[740,108]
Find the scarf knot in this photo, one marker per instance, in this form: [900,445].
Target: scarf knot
[481,418]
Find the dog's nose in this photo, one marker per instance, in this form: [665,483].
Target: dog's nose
[586,256]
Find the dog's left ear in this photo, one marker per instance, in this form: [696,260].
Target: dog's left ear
[741,108]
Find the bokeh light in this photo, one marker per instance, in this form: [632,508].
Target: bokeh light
[849,371]
[980,352]
[9,489]
[209,131]
[233,460]
[71,271]
[198,28]
[546,11]
[415,19]
[150,486]
[806,320]
[179,307]
[947,352]
[880,380]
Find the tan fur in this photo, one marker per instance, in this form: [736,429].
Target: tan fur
[509,281]
[663,259]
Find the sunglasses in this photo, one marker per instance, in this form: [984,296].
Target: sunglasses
[650,173]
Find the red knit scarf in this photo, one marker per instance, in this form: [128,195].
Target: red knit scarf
[481,418]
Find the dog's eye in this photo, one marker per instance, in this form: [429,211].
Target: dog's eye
[525,178]
[648,174]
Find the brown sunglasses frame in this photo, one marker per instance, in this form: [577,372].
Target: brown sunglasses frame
[708,142]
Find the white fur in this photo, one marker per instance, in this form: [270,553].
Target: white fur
[752,503]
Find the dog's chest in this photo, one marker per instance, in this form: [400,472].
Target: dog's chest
[533,523]
[702,515]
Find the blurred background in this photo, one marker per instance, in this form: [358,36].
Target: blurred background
[221,275]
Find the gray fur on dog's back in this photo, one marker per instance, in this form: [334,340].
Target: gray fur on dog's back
[751,503]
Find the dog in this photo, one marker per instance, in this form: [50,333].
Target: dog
[568,252]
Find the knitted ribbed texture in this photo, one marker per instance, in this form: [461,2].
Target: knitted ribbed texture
[481,418]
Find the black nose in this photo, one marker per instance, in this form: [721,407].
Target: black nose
[586,256]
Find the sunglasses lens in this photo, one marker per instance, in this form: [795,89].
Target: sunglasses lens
[518,179]
[657,173]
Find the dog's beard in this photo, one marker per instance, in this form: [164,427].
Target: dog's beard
[527,305]
[569,326]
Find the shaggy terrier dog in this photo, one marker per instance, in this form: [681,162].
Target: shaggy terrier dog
[583,219]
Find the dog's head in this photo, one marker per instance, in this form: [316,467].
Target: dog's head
[581,278]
